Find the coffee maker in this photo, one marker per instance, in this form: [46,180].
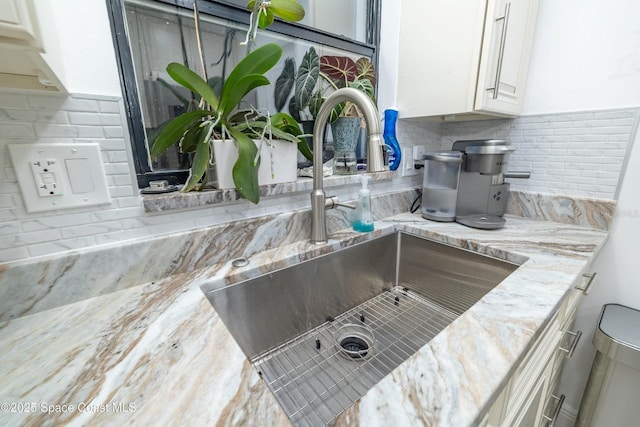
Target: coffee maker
[467,184]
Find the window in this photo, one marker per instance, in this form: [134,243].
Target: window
[149,34]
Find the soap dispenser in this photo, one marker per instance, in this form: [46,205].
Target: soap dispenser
[362,220]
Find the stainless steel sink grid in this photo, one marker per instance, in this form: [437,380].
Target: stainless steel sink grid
[323,332]
[314,385]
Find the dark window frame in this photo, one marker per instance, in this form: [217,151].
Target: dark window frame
[231,13]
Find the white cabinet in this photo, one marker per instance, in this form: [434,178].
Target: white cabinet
[21,47]
[460,58]
[17,21]
[528,399]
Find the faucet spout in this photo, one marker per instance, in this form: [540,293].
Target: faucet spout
[375,152]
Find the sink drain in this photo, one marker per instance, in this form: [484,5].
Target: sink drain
[354,347]
[354,342]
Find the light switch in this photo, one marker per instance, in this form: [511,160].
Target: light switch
[59,176]
[79,175]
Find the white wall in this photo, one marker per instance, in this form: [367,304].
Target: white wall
[85,56]
[586,56]
[388,62]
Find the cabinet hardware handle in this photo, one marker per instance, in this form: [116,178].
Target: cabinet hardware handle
[503,39]
[587,288]
[556,412]
[574,344]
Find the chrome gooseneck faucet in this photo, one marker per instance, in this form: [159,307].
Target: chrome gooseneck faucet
[375,154]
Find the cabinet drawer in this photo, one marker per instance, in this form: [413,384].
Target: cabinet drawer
[533,365]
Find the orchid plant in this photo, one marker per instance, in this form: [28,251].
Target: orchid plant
[218,117]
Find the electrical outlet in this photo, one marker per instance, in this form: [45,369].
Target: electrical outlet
[407,162]
[59,176]
[419,151]
[47,177]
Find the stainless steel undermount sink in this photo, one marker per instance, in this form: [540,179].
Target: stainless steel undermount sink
[323,332]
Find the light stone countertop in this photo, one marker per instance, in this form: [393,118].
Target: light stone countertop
[158,354]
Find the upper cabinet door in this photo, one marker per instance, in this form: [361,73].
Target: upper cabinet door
[504,61]
[463,59]
[16,20]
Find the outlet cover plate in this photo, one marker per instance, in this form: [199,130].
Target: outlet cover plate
[25,158]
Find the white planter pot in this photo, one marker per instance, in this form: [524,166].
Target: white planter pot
[278,163]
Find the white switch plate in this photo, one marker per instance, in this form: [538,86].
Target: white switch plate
[408,168]
[43,169]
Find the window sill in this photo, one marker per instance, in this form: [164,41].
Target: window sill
[177,200]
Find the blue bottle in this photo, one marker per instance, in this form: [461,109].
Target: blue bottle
[389,135]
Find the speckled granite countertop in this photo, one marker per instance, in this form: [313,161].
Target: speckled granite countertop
[158,354]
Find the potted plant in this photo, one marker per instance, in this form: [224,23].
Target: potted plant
[313,78]
[346,123]
[217,117]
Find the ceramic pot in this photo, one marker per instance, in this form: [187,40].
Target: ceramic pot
[345,132]
[277,162]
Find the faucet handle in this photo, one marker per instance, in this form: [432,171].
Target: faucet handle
[332,202]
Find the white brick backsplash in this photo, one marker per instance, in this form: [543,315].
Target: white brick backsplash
[26,239]
[9,228]
[57,221]
[13,100]
[17,131]
[112,144]
[6,201]
[121,179]
[127,202]
[91,229]
[14,254]
[117,156]
[105,119]
[113,132]
[577,154]
[109,107]
[123,191]
[71,131]
[62,103]
[116,168]
[61,245]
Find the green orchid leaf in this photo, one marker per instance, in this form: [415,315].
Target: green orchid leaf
[307,77]
[174,130]
[259,61]
[200,160]
[187,78]
[288,124]
[233,95]
[266,18]
[245,173]
[289,10]
[303,148]
[284,83]
[241,116]
[216,84]
[254,129]
[189,141]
